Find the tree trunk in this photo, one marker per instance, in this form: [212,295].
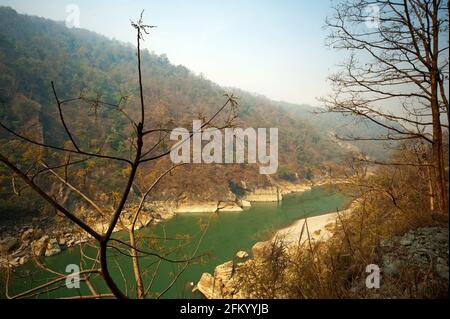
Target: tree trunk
[429,178]
[438,152]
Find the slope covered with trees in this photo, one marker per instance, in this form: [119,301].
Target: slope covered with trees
[35,52]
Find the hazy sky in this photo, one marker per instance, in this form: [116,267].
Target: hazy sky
[271,47]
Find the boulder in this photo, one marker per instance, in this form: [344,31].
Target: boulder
[241,254]
[210,288]
[7,245]
[224,272]
[101,227]
[53,248]
[39,246]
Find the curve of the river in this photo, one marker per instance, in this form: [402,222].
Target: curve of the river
[227,233]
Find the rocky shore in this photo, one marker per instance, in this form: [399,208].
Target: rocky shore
[225,282]
[42,237]
[266,194]
[424,250]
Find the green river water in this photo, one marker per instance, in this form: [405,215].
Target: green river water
[226,234]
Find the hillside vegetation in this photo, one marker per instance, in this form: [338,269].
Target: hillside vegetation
[34,52]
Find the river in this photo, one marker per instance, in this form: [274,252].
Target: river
[217,239]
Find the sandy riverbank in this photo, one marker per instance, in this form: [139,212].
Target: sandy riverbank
[319,227]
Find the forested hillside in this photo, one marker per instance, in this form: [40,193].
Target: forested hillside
[34,52]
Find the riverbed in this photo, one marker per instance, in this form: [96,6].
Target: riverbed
[212,238]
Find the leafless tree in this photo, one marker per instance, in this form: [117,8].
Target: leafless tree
[142,153]
[396,75]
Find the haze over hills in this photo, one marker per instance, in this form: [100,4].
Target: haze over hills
[343,129]
[35,51]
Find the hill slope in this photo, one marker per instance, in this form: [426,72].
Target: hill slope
[36,51]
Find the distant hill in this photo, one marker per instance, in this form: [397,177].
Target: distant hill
[36,51]
[344,127]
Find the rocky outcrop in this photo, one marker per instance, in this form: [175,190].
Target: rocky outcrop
[290,188]
[20,244]
[53,248]
[227,278]
[217,286]
[28,241]
[230,207]
[419,249]
[414,265]
[224,272]
[208,207]
[244,204]
[125,223]
[242,254]
[39,247]
[267,194]
[209,287]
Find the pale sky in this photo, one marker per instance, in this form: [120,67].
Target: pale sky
[271,47]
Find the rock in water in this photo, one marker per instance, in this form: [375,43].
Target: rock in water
[211,288]
[241,254]
[224,272]
[40,246]
[52,248]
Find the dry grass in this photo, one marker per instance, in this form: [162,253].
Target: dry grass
[336,268]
